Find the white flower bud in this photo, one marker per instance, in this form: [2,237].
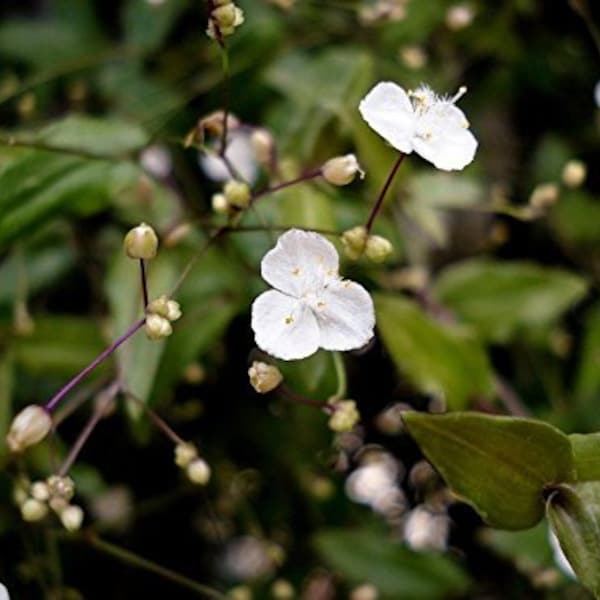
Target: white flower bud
[378,248]
[20,492]
[58,504]
[141,242]
[237,193]
[164,307]
[61,487]
[198,471]
[544,196]
[459,16]
[220,204]
[342,170]
[263,145]
[157,327]
[72,517]
[345,416]
[574,173]
[40,491]
[240,592]
[413,56]
[30,426]
[33,510]
[282,590]
[185,454]
[367,591]
[264,377]
[424,530]
[354,242]
[225,18]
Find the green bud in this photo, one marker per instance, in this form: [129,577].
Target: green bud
[354,241]
[157,327]
[141,242]
[264,377]
[342,170]
[345,416]
[237,193]
[378,248]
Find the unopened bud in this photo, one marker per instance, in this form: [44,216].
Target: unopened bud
[198,471]
[141,242]
[378,248]
[29,427]
[185,454]
[240,592]
[177,234]
[58,504]
[544,196]
[367,591]
[165,307]
[220,204]
[72,517]
[264,377]
[574,173]
[157,327]
[424,530]
[355,241]
[224,20]
[212,124]
[413,56]
[282,590]
[20,492]
[237,193]
[264,145]
[342,170]
[459,16]
[345,416]
[39,491]
[33,510]
[61,487]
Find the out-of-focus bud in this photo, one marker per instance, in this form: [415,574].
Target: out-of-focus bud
[72,517]
[198,471]
[224,20]
[366,591]
[165,307]
[214,123]
[413,56]
[263,145]
[33,510]
[29,427]
[378,248]
[21,491]
[156,160]
[240,592]
[344,417]
[185,454]
[459,16]
[283,4]
[141,242]
[157,327]
[342,170]
[220,204]
[424,530]
[574,173]
[354,242]
[23,324]
[237,193]
[39,491]
[61,487]
[264,377]
[282,590]
[544,196]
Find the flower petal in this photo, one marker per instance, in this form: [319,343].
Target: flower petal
[301,262]
[284,327]
[240,154]
[443,138]
[345,315]
[388,110]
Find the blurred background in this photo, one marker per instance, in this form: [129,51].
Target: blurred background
[494,277]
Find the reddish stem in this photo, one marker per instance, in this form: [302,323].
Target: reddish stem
[379,202]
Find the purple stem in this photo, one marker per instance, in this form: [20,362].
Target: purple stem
[144,282]
[280,186]
[51,405]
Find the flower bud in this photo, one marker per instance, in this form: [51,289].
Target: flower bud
[29,427]
[574,173]
[213,125]
[425,530]
[459,16]
[157,327]
[378,248]
[264,377]
[33,510]
[544,196]
[345,416]
[237,193]
[366,591]
[185,454]
[39,491]
[354,241]
[61,487]
[141,242]
[58,504]
[20,492]
[164,307]
[282,590]
[342,170]
[263,145]
[198,471]
[224,19]
[72,517]
[220,204]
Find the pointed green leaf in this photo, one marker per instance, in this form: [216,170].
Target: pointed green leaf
[499,465]
[586,456]
[574,514]
[436,358]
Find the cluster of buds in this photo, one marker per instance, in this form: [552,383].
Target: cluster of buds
[29,427]
[344,415]
[196,468]
[224,17]
[382,11]
[141,242]
[236,195]
[160,313]
[342,170]
[36,499]
[264,378]
[357,241]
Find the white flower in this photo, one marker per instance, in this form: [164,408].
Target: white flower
[430,125]
[241,155]
[3,593]
[312,307]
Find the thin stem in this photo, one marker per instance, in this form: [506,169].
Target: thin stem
[226,100]
[293,396]
[99,411]
[51,405]
[134,560]
[340,372]
[144,282]
[388,182]
[285,184]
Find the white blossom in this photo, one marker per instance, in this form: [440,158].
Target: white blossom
[420,121]
[4,593]
[311,306]
[239,152]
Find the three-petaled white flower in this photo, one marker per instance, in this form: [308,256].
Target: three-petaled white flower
[311,306]
[420,120]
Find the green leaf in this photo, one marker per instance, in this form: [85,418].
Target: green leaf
[366,555]
[437,359]
[586,455]
[500,299]
[574,514]
[305,206]
[499,465]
